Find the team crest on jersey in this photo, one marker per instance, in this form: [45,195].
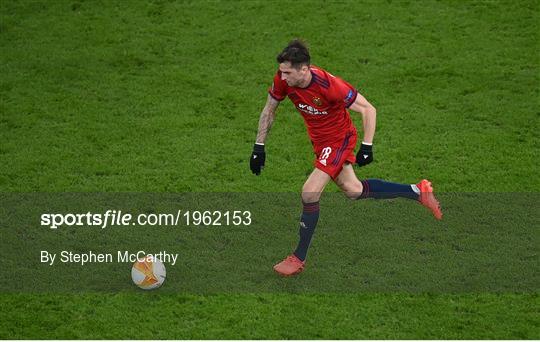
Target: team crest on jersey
[317,101]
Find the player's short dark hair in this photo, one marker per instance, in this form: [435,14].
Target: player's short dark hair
[297,53]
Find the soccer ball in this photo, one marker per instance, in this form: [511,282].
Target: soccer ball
[148,273]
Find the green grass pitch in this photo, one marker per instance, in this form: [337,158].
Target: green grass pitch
[164,96]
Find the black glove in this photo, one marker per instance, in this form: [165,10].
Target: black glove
[256,162]
[365,155]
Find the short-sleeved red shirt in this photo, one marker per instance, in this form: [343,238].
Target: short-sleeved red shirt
[323,104]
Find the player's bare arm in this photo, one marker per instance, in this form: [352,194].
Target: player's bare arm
[258,156]
[266,120]
[369,117]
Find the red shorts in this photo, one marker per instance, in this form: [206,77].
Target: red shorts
[331,157]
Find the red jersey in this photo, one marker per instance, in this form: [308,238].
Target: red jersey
[323,104]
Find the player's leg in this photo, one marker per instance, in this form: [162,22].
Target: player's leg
[373,188]
[314,186]
[354,188]
[348,182]
[311,193]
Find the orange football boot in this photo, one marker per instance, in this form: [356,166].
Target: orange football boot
[427,198]
[290,266]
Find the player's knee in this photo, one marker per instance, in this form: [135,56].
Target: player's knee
[310,195]
[353,190]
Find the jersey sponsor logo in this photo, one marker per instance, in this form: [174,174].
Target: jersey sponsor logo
[310,110]
[317,101]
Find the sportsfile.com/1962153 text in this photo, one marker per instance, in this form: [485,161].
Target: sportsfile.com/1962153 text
[119,218]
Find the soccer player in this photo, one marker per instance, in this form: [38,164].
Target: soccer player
[323,99]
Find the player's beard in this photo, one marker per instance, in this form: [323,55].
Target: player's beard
[293,84]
